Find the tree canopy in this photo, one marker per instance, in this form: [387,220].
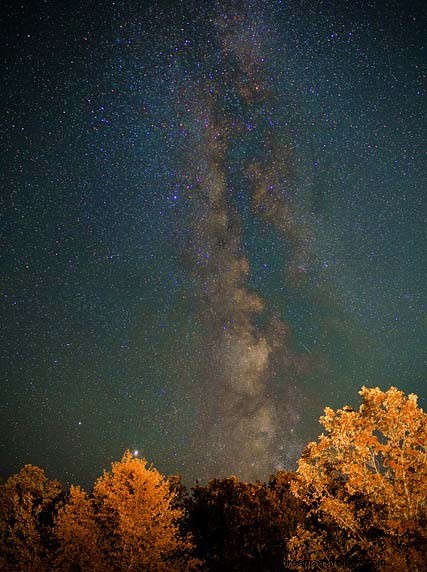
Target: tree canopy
[27,506]
[365,484]
[129,523]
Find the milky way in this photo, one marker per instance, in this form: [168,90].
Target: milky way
[248,419]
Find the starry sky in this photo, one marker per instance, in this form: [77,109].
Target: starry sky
[212,227]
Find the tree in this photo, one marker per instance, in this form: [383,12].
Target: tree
[365,484]
[27,502]
[289,511]
[240,526]
[130,524]
[79,535]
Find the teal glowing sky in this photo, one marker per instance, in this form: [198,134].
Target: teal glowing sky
[213,226]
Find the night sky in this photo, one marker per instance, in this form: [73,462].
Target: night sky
[212,227]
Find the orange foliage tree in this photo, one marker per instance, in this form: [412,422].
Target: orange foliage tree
[365,484]
[27,502]
[79,535]
[130,523]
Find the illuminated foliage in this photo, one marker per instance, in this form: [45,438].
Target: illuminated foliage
[27,502]
[79,535]
[129,524]
[365,484]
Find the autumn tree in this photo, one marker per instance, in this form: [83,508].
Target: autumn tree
[365,484]
[79,535]
[27,502]
[130,524]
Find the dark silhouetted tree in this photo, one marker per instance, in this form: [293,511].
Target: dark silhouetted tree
[239,526]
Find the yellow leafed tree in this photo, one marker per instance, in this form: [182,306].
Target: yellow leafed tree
[365,484]
[26,504]
[130,523]
[79,535]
